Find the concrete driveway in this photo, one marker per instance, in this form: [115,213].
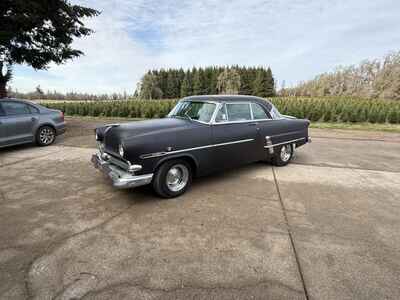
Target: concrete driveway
[325,227]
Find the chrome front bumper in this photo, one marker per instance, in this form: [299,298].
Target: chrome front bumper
[120,178]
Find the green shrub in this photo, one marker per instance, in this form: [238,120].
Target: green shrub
[327,109]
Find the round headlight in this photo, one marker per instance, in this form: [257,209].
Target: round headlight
[121,150]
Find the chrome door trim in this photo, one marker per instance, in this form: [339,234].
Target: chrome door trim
[286,142]
[158,154]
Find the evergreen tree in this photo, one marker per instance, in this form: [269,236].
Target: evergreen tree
[185,86]
[270,88]
[197,84]
[175,83]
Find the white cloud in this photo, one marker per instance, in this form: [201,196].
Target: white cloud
[297,38]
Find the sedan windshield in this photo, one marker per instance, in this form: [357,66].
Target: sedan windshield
[197,111]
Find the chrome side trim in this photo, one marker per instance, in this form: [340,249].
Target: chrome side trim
[287,133]
[158,154]
[286,142]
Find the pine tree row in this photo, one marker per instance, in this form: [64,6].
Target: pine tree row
[177,83]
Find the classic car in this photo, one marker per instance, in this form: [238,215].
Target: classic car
[24,122]
[202,134]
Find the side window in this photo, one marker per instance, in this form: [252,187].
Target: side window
[238,111]
[33,109]
[221,115]
[15,108]
[275,113]
[258,112]
[2,113]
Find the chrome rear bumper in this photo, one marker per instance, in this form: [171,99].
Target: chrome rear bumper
[120,178]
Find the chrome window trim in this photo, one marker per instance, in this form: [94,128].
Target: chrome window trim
[206,101]
[158,154]
[244,121]
[248,103]
[266,112]
[219,104]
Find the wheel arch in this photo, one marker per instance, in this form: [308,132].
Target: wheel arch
[45,124]
[187,157]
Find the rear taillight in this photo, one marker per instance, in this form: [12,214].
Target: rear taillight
[62,115]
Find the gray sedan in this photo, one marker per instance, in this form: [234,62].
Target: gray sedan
[26,122]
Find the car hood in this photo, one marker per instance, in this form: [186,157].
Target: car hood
[115,134]
[138,128]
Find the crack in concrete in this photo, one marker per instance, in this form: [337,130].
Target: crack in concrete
[356,139]
[190,287]
[290,236]
[340,167]
[54,245]
[25,159]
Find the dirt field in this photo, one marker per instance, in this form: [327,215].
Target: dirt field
[326,226]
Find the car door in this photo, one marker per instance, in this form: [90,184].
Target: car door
[235,136]
[18,122]
[3,134]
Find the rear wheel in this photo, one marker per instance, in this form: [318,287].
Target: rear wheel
[45,136]
[172,178]
[283,155]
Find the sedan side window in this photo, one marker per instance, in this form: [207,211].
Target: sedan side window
[258,112]
[221,115]
[238,111]
[33,109]
[15,108]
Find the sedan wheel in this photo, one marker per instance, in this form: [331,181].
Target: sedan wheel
[172,178]
[177,177]
[45,136]
[286,153]
[283,155]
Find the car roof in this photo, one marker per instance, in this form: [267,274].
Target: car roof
[17,100]
[230,98]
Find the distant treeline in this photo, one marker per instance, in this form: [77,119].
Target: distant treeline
[39,94]
[177,83]
[370,79]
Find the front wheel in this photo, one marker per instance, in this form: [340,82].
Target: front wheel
[283,155]
[172,178]
[45,136]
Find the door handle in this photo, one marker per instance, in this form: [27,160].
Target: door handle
[252,124]
[33,119]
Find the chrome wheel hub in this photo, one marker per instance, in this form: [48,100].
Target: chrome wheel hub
[46,136]
[177,177]
[286,153]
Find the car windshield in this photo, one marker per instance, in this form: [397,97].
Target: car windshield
[197,111]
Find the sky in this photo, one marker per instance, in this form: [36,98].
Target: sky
[298,39]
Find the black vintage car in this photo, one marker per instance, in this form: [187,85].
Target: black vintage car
[202,134]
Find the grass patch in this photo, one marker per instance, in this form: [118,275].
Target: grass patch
[357,126]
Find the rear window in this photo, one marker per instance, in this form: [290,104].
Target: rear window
[238,111]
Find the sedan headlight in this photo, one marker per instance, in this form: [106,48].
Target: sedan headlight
[121,150]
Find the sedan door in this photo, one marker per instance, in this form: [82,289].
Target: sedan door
[277,130]
[18,123]
[236,136]
[3,126]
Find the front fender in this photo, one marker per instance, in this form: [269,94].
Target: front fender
[187,156]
